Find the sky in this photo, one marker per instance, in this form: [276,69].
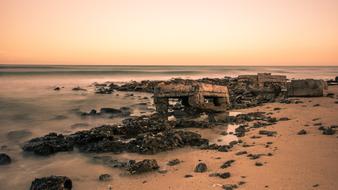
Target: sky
[169,32]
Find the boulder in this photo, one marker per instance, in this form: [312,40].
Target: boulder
[201,167]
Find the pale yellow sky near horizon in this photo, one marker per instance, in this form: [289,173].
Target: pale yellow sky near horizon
[187,32]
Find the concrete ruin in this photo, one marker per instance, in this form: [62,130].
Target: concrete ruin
[306,88]
[263,80]
[201,96]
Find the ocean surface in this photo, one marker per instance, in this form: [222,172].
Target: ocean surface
[29,107]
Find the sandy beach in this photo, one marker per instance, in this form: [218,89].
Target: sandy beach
[288,160]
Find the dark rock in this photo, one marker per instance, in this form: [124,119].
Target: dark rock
[329,131]
[302,132]
[5,159]
[227,164]
[52,183]
[105,177]
[188,176]
[57,88]
[284,119]
[229,186]
[173,162]
[224,175]
[316,105]
[143,166]
[201,167]
[268,133]
[48,144]
[241,153]
[78,89]
[258,164]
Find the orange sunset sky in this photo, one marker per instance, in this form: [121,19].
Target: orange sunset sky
[186,32]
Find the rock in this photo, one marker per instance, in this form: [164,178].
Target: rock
[52,183]
[284,119]
[5,159]
[153,143]
[329,131]
[316,105]
[302,132]
[240,131]
[224,175]
[201,167]
[48,144]
[105,177]
[173,162]
[229,186]
[78,89]
[241,153]
[254,156]
[110,111]
[142,166]
[188,176]
[57,88]
[227,164]
[268,133]
[258,164]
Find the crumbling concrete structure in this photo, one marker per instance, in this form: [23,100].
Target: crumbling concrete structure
[198,95]
[262,80]
[306,88]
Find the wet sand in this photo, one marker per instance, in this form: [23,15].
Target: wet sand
[297,161]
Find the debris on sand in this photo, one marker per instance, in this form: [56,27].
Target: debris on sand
[52,182]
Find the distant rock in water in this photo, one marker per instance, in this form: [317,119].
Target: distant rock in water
[5,159]
[52,183]
[19,134]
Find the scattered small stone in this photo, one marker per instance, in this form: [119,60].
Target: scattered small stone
[105,177]
[173,162]
[302,132]
[229,186]
[316,185]
[57,88]
[241,183]
[143,166]
[284,119]
[241,153]
[329,131]
[188,176]
[275,109]
[78,89]
[5,159]
[201,167]
[268,133]
[227,164]
[316,105]
[258,164]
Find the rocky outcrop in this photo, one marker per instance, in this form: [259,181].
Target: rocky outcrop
[48,144]
[52,183]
